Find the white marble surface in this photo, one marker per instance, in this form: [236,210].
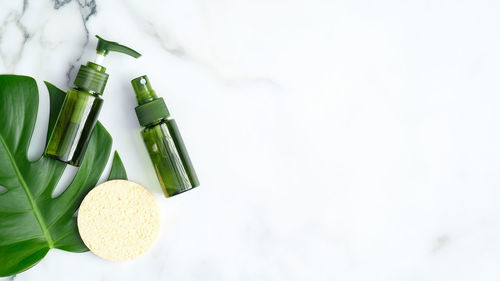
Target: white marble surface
[334,140]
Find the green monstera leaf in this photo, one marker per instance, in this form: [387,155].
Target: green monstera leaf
[32,220]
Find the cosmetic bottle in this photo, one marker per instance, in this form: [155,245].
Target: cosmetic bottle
[163,141]
[81,107]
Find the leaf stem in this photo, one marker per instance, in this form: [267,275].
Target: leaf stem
[36,211]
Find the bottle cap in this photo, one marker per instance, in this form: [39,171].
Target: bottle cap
[151,108]
[93,77]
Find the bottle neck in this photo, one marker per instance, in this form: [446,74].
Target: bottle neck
[80,89]
[157,122]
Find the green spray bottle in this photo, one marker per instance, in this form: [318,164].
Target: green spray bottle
[163,141]
[81,107]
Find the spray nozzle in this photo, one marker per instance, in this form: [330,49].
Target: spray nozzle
[143,90]
[151,108]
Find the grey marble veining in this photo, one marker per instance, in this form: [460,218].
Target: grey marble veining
[334,140]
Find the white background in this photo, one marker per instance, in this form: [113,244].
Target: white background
[334,140]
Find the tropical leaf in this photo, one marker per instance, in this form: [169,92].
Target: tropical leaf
[32,221]
[117,171]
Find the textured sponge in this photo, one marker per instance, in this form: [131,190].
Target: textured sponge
[118,220]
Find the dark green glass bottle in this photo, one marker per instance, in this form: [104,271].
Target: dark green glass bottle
[74,126]
[75,123]
[163,141]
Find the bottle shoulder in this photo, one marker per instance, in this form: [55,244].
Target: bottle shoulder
[159,123]
[82,93]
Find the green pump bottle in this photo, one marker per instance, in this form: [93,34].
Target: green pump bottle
[81,107]
[163,141]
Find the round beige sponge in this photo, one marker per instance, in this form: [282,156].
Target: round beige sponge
[118,220]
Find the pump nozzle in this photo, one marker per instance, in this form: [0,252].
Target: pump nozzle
[93,77]
[104,47]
